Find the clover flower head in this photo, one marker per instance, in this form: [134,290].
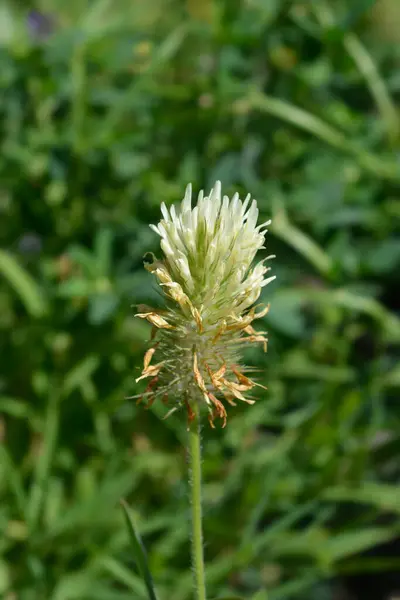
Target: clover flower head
[210,287]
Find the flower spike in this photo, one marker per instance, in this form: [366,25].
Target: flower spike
[210,286]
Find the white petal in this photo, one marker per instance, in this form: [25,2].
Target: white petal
[245,203]
[252,215]
[234,203]
[187,200]
[162,230]
[268,280]
[216,191]
[166,248]
[165,212]
[172,210]
[266,224]
[184,268]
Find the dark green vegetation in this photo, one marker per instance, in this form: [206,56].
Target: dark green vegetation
[101,119]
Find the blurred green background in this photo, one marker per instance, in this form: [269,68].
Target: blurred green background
[107,108]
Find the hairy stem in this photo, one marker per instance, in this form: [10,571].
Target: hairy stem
[195,491]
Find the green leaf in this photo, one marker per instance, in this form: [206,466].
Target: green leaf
[291,589]
[139,552]
[281,109]
[369,306]
[384,257]
[102,307]
[80,374]
[24,285]
[124,576]
[15,407]
[44,461]
[168,47]
[13,477]
[287,314]
[103,251]
[75,288]
[353,542]
[297,365]
[93,505]
[300,241]
[73,585]
[381,495]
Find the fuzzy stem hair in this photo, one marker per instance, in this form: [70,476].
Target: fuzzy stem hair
[195,493]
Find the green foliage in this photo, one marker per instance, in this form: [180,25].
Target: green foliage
[108,108]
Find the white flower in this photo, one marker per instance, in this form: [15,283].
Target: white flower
[210,285]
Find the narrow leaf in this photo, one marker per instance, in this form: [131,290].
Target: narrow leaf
[124,576]
[24,285]
[139,552]
[103,251]
[300,241]
[349,543]
[300,118]
[383,496]
[80,374]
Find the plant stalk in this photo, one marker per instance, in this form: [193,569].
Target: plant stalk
[195,491]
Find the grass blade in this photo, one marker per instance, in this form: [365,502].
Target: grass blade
[301,242]
[300,118]
[139,552]
[44,462]
[24,285]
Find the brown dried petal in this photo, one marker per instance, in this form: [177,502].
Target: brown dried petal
[219,408]
[155,319]
[197,375]
[150,371]
[148,356]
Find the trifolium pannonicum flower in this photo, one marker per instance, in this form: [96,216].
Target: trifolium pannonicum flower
[210,287]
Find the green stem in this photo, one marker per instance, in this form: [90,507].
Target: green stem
[195,490]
